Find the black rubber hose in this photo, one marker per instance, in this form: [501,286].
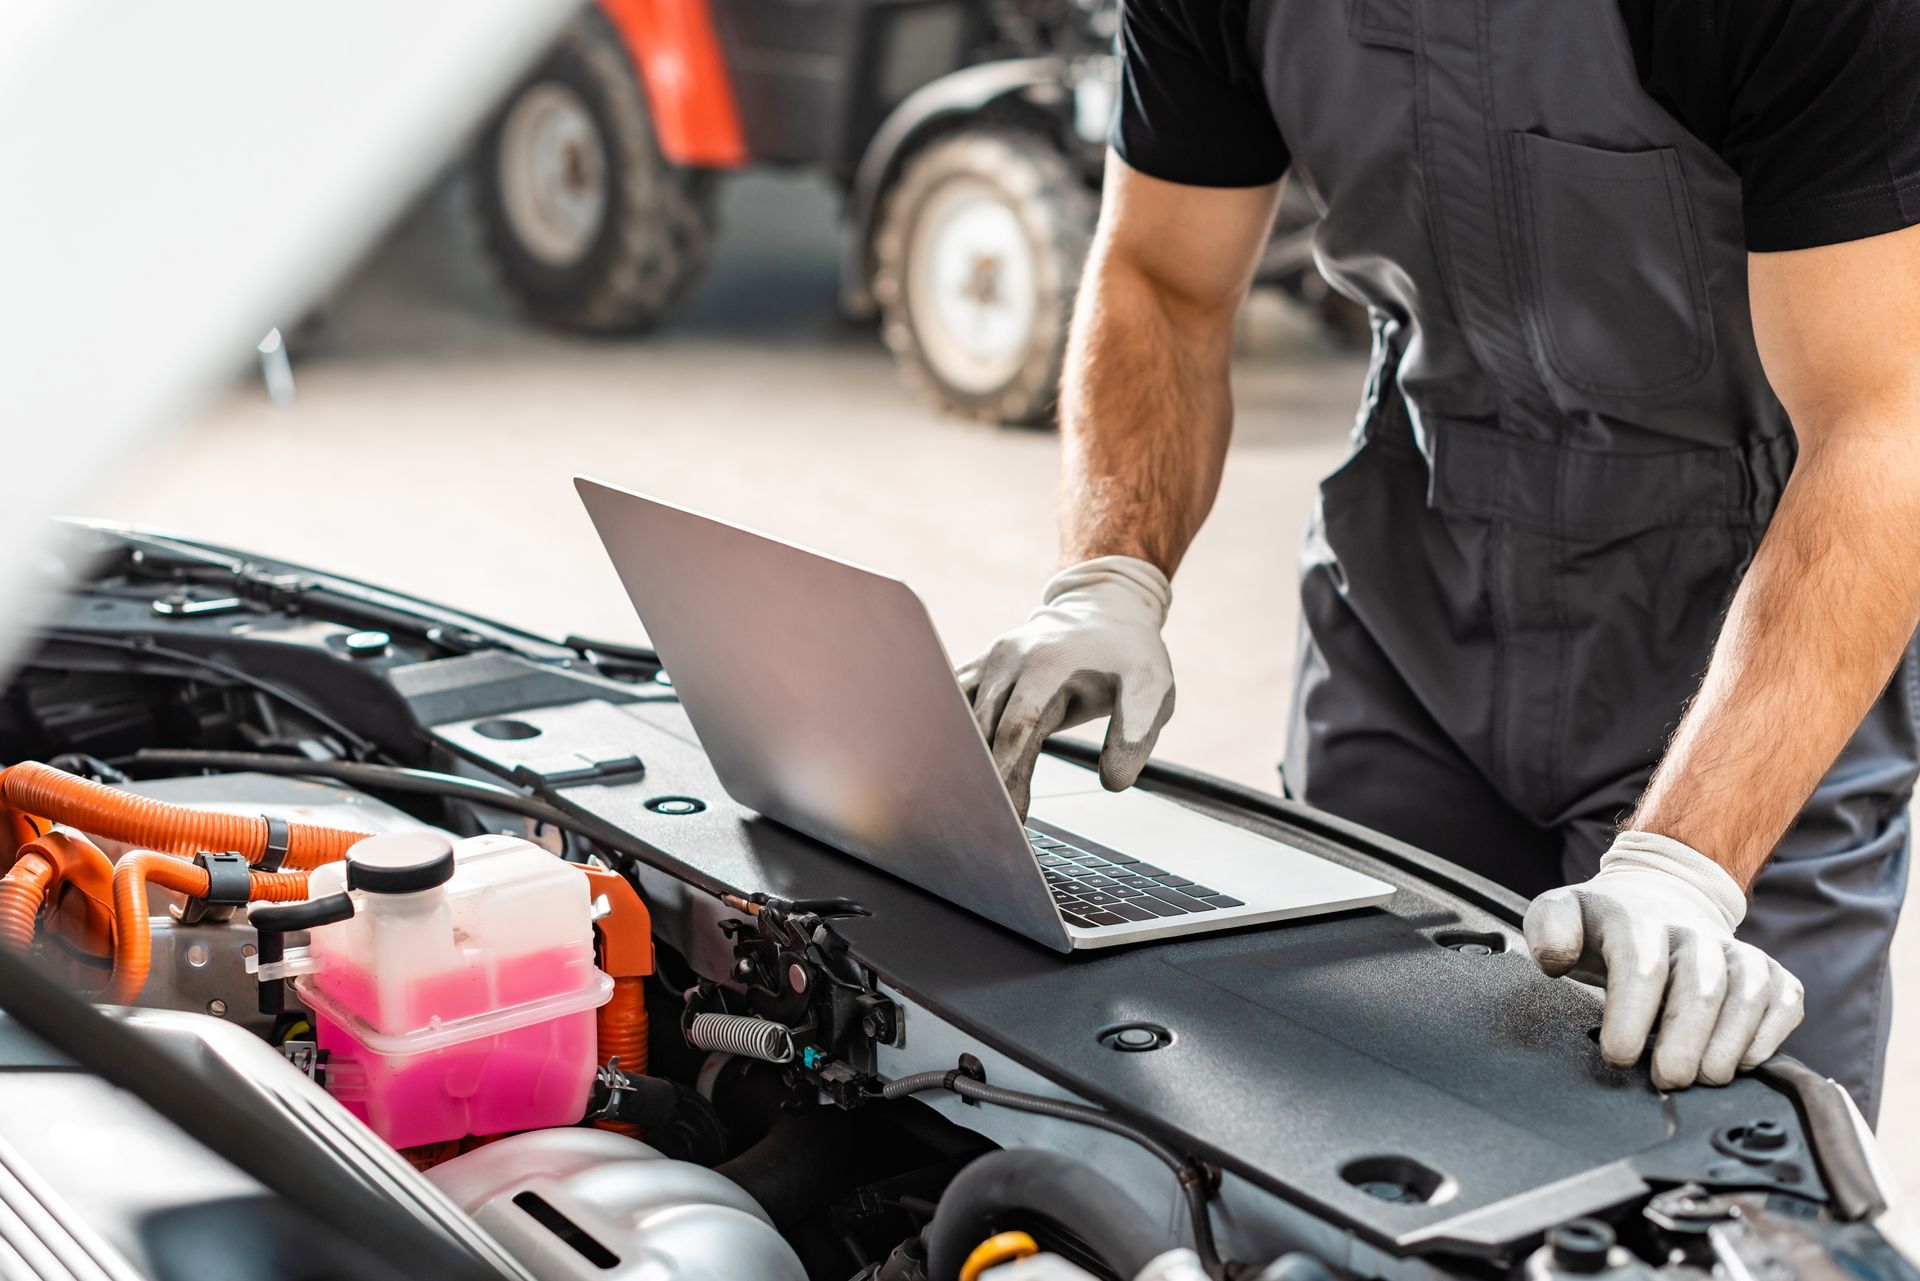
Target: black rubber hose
[146,649]
[980,1092]
[678,1122]
[284,918]
[249,1133]
[391,778]
[273,924]
[394,778]
[1831,1134]
[805,1157]
[1015,1186]
[1196,1183]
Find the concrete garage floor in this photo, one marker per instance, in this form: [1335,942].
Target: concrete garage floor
[434,438]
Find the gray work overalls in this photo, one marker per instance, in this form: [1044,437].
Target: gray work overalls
[1566,457]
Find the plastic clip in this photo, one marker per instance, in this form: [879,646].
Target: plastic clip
[279,839]
[229,885]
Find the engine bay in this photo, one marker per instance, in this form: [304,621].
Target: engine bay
[461,914]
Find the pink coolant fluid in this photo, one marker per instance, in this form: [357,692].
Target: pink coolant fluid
[525,1078]
[463,1005]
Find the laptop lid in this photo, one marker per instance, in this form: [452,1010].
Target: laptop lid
[825,700]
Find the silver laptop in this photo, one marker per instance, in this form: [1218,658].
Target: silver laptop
[825,700]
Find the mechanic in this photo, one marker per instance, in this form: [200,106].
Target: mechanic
[1626,259]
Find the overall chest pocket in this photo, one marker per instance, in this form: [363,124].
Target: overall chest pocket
[1617,300]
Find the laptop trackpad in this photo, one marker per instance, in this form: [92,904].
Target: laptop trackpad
[1055,777]
[1258,869]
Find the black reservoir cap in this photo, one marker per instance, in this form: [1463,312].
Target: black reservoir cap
[400,863]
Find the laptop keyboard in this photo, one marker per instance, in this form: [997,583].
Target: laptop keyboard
[1093,888]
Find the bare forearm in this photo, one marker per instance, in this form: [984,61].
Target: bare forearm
[1146,412]
[1813,635]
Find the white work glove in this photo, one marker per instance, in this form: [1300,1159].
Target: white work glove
[1092,649]
[1656,924]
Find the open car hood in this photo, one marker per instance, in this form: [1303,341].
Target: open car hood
[1398,1085]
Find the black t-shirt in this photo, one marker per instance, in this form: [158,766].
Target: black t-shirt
[1814,103]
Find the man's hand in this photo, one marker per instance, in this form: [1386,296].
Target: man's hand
[1815,630]
[1092,649]
[1831,600]
[1656,925]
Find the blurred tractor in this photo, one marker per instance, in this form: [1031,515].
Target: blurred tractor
[965,135]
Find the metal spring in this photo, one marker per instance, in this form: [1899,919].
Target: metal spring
[737,1034]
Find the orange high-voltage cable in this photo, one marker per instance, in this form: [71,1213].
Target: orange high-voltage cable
[149,824]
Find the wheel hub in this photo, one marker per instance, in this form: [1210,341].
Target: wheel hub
[553,174]
[983,286]
[971,286]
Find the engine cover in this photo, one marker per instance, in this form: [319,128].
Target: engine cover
[588,1203]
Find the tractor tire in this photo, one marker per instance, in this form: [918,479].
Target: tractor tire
[976,258]
[587,225]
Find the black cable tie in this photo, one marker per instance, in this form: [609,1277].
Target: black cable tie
[279,839]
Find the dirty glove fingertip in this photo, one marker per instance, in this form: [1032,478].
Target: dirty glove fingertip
[1554,931]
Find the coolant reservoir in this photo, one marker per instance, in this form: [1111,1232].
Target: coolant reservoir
[459,997]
